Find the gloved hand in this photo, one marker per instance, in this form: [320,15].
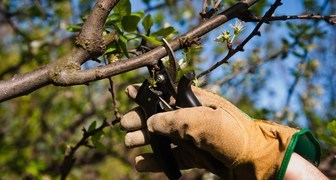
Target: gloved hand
[216,136]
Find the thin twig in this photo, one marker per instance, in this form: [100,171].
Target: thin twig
[114,100]
[240,47]
[217,4]
[282,52]
[250,69]
[8,19]
[69,159]
[286,109]
[207,14]
[297,77]
[329,18]
[296,80]
[204,7]
[115,107]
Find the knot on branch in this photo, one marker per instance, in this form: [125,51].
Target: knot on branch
[60,68]
[186,41]
[94,46]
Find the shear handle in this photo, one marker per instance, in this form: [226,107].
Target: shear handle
[185,96]
[148,99]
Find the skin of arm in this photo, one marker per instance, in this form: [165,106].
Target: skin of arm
[300,168]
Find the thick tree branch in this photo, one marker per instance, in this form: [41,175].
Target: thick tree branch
[24,84]
[67,78]
[66,70]
[91,36]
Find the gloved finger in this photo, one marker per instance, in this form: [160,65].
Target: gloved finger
[133,120]
[132,90]
[136,138]
[186,158]
[141,138]
[209,129]
[182,123]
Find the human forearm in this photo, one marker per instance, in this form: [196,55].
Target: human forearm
[300,168]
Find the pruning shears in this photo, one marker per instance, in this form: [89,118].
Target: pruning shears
[155,98]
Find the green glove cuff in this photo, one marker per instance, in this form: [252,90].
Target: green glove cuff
[306,145]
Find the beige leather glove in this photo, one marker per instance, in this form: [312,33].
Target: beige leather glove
[216,136]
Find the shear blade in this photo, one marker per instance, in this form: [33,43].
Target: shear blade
[172,60]
[164,105]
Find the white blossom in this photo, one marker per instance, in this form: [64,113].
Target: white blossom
[223,37]
[238,27]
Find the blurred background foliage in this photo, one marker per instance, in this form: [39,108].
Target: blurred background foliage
[287,75]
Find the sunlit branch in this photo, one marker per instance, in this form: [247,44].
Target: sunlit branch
[240,47]
[261,61]
[331,19]
[91,37]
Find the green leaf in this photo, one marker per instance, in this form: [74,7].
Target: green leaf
[123,8]
[164,32]
[122,44]
[130,23]
[92,126]
[96,138]
[332,127]
[140,14]
[113,18]
[329,139]
[150,39]
[153,40]
[118,27]
[110,49]
[75,28]
[98,145]
[181,72]
[147,23]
